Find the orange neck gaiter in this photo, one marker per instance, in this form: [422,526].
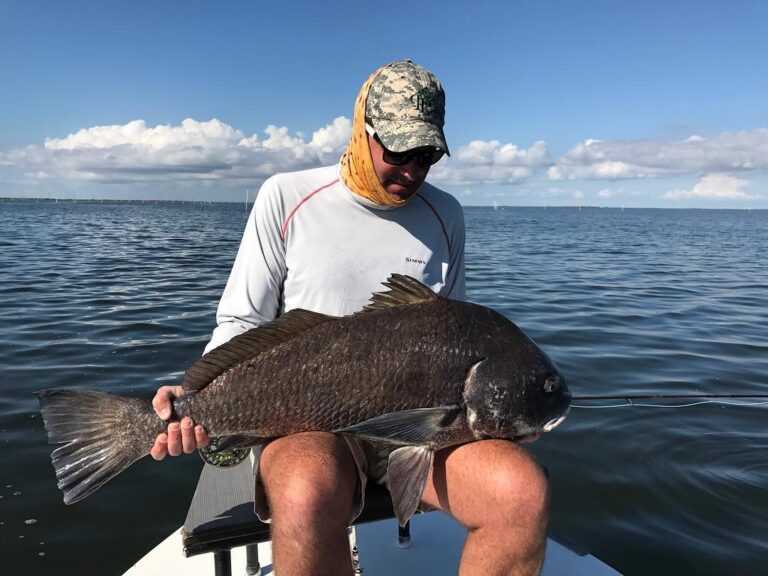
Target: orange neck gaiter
[356,164]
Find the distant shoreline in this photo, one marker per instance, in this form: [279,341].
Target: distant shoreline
[107,201]
[11,199]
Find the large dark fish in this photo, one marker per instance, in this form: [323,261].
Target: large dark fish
[413,369]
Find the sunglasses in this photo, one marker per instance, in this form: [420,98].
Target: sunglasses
[424,157]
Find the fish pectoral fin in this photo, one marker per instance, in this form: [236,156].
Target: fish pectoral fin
[408,469]
[412,427]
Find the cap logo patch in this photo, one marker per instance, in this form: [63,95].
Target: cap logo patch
[423,100]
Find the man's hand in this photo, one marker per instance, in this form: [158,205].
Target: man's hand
[181,436]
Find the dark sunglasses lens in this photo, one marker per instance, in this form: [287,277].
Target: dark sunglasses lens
[396,158]
[428,157]
[423,159]
[435,156]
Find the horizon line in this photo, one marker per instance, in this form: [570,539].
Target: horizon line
[494,206]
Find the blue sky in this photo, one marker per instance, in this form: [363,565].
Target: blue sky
[605,103]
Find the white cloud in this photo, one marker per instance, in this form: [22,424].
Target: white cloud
[609,192]
[193,151]
[494,153]
[213,152]
[491,162]
[191,133]
[554,192]
[717,186]
[729,151]
[332,137]
[280,139]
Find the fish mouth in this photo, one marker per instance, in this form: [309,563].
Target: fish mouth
[554,423]
[525,438]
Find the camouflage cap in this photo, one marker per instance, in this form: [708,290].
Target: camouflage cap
[406,106]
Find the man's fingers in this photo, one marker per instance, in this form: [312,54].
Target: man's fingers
[201,437]
[160,448]
[163,400]
[188,442]
[180,437]
[174,439]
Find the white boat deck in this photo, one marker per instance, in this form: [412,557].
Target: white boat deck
[435,549]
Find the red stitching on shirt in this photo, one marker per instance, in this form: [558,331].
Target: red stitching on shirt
[442,224]
[287,220]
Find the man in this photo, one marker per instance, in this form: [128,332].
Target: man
[324,240]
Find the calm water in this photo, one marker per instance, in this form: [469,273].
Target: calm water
[122,297]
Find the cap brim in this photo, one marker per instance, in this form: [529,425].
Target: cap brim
[402,136]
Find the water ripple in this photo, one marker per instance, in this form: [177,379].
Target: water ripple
[116,297]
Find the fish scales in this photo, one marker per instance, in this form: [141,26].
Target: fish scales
[343,373]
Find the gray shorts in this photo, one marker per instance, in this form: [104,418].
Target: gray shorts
[371,461]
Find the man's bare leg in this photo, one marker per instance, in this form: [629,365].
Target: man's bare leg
[500,494]
[311,480]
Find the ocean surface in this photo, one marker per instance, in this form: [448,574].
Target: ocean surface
[122,297]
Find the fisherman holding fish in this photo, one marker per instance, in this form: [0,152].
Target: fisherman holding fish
[324,240]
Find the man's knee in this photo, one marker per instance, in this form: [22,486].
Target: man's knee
[306,497]
[307,481]
[519,487]
[491,483]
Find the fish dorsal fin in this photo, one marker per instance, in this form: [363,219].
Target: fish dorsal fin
[403,290]
[248,344]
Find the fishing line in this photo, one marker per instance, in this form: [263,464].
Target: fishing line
[630,400]
[629,403]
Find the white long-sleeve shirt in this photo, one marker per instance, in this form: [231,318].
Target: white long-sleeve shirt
[312,243]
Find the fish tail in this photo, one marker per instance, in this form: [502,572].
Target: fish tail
[101,435]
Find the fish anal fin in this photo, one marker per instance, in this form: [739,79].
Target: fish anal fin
[410,427]
[249,344]
[408,470]
[403,291]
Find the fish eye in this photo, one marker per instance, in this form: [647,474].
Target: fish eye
[551,384]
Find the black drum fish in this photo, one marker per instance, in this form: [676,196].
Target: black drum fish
[412,369]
